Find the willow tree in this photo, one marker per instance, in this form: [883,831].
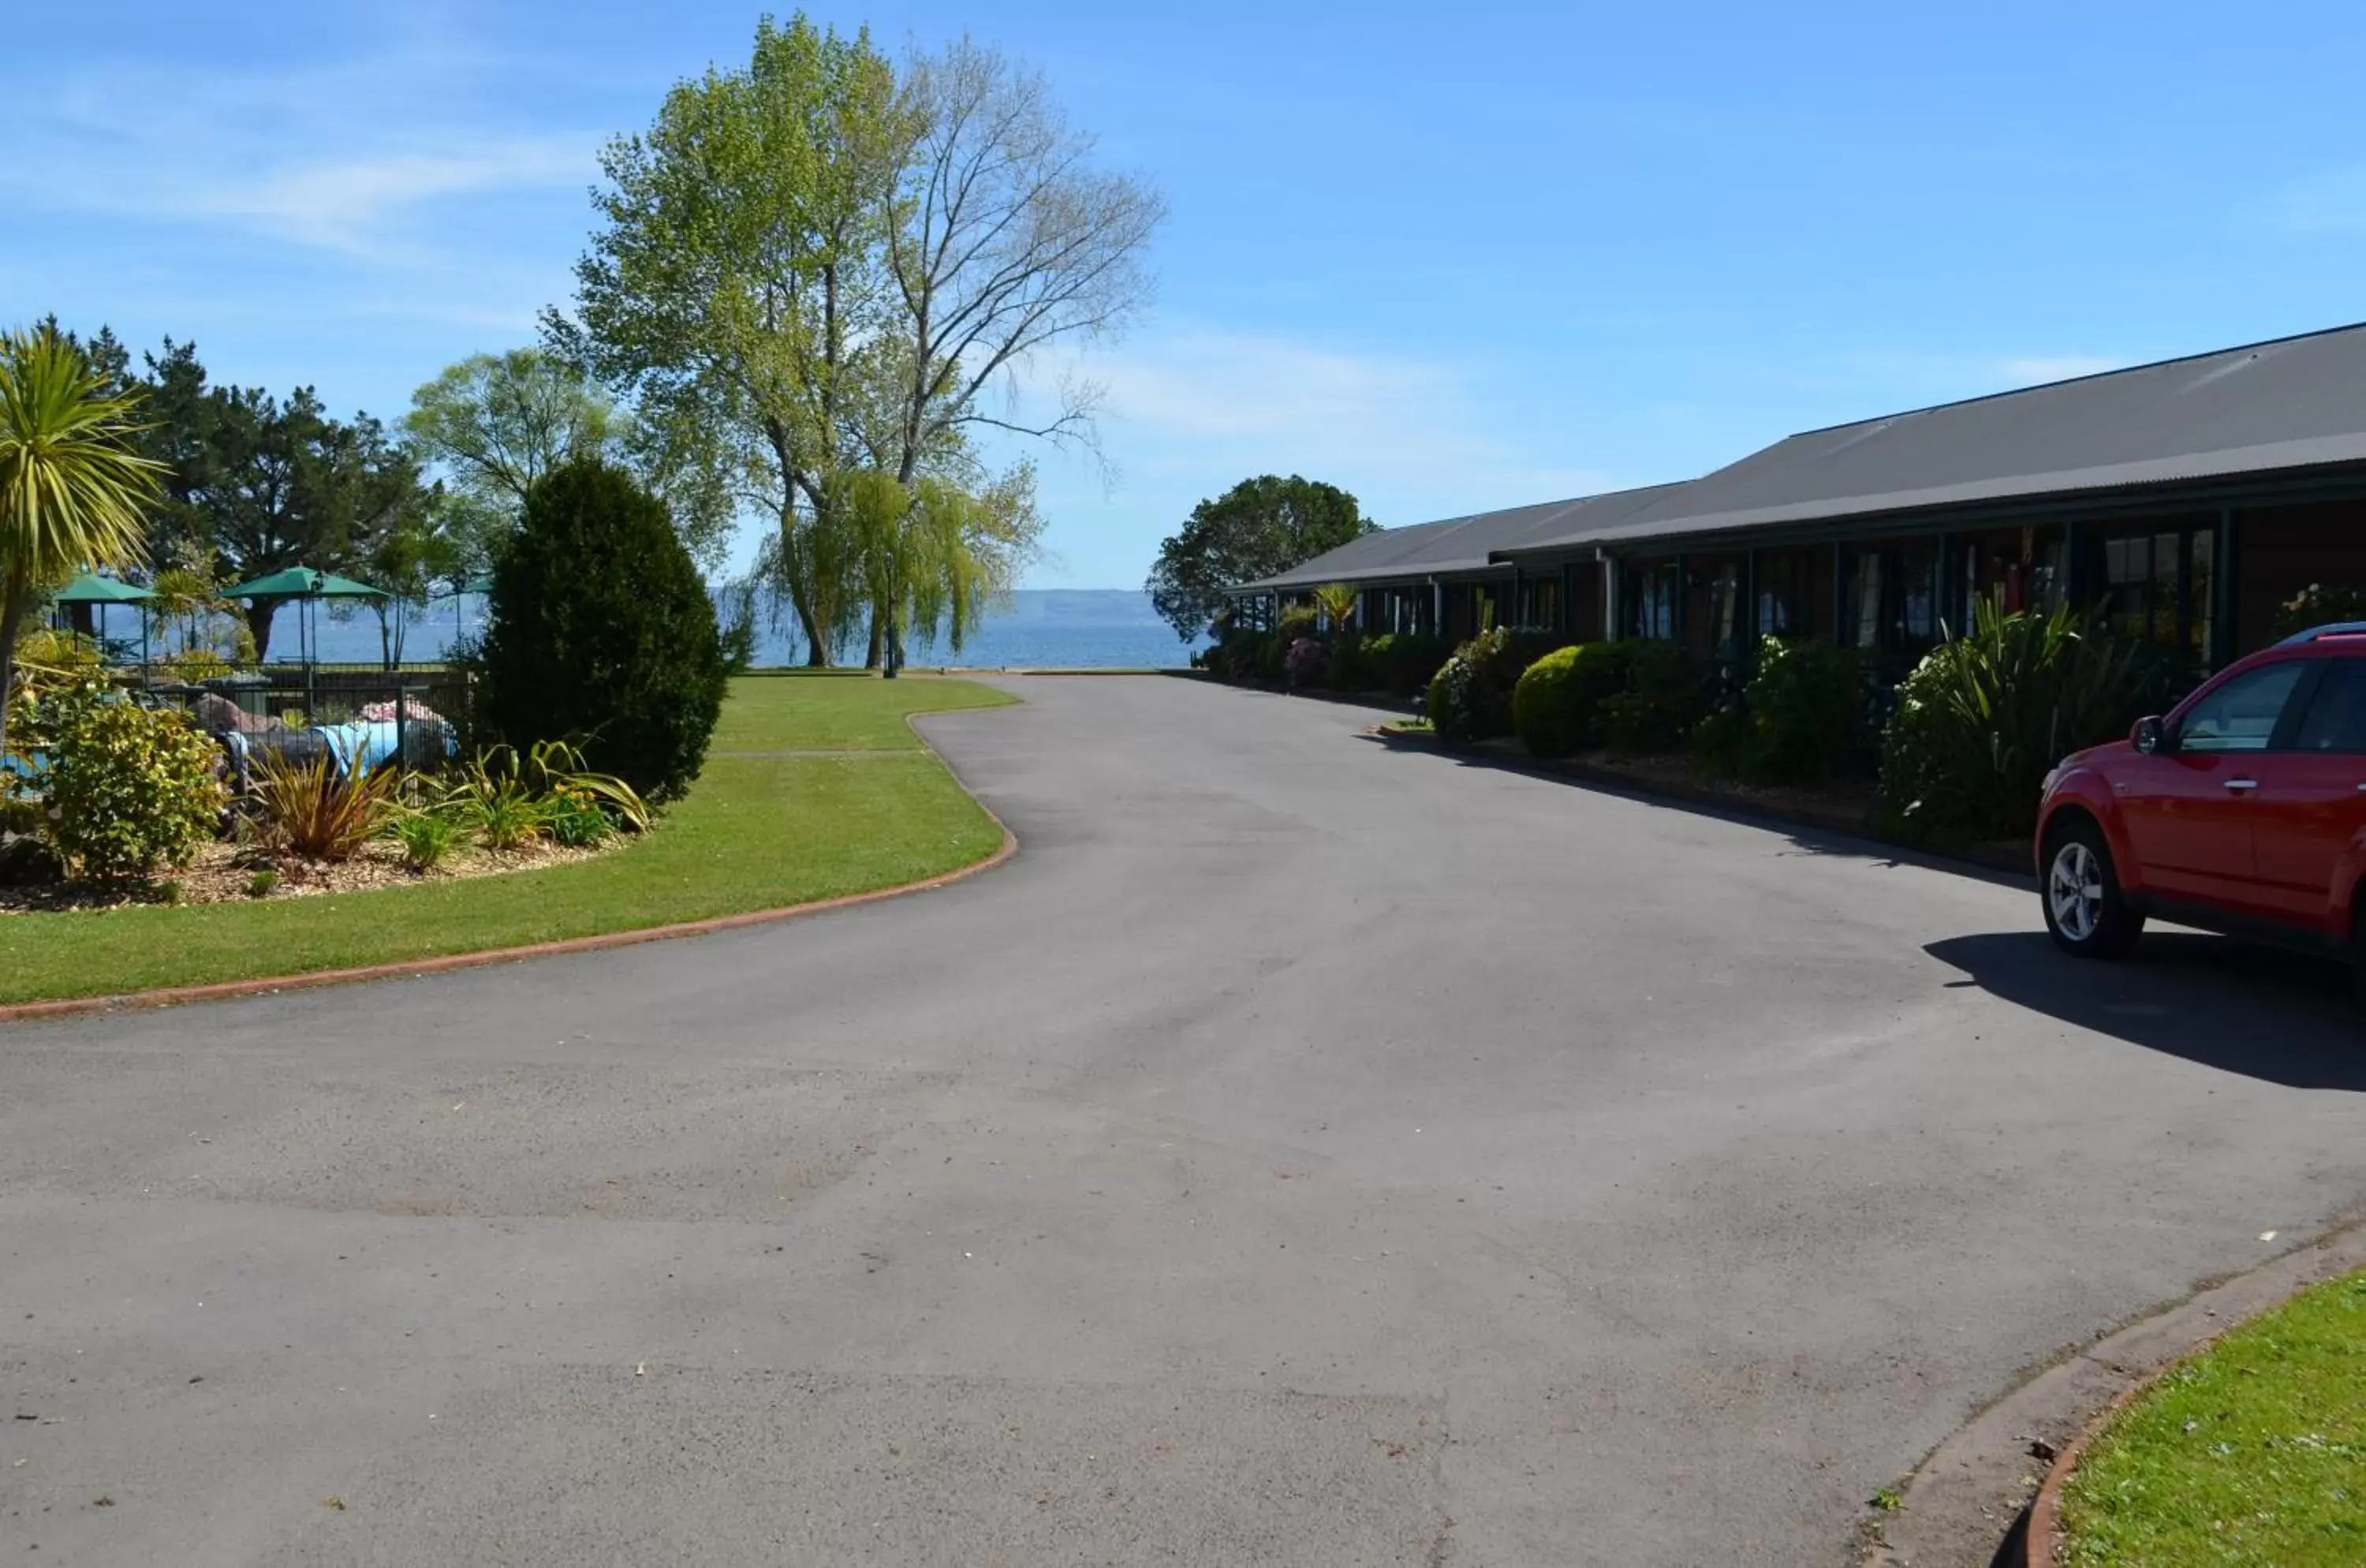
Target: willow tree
[73,486]
[935,553]
[730,285]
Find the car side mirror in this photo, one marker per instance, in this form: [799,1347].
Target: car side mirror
[2145,737]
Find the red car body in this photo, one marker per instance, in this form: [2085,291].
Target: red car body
[2243,810]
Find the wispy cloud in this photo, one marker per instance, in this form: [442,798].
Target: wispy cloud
[1413,437]
[385,140]
[362,203]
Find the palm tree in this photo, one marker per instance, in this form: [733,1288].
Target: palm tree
[1338,602]
[70,485]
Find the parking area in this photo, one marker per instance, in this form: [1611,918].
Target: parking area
[1302,1151]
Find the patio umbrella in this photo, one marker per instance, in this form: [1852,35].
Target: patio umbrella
[306,585]
[92,588]
[480,583]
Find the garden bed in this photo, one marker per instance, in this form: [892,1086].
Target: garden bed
[230,874]
[755,832]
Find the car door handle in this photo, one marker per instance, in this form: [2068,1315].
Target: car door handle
[2248,785]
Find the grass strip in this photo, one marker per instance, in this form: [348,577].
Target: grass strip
[2252,1452]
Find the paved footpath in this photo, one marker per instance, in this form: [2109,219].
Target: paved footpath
[1303,1153]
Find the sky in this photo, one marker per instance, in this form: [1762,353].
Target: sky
[1447,257]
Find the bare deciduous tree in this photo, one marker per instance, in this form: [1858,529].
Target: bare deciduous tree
[1004,240]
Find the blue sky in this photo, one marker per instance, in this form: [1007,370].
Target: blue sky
[1449,257]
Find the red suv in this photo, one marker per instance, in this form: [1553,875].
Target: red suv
[2243,811]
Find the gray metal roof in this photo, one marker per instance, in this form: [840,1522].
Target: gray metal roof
[1459,545]
[2297,402]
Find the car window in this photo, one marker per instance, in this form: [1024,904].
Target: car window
[2241,715]
[2336,711]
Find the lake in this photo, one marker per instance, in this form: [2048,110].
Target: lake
[1040,628]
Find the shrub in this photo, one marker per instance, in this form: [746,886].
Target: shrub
[1298,621]
[1351,668]
[310,810]
[1658,703]
[2316,605]
[1800,720]
[1237,653]
[1306,662]
[491,797]
[1724,744]
[134,790]
[512,799]
[1470,695]
[601,633]
[1979,721]
[1405,663]
[1557,706]
[576,820]
[426,836]
[1270,652]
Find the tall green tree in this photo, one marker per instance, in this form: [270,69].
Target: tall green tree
[602,632]
[495,424]
[263,484]
[735,277]
[935,553]
[1256,528]
[73,482]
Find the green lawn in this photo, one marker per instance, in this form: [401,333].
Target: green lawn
[754,833]
[2253,1453]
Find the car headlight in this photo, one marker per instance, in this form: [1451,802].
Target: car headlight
[2052,774]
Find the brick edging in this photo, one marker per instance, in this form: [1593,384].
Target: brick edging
[2040,1540]
[1971,1476]
[225,990]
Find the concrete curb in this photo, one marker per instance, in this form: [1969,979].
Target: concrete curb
[1976,1487]
[175,996]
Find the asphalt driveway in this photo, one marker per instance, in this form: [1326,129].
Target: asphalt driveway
[1301,1153]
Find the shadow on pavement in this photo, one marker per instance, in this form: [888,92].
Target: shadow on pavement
[1806,838]
[2281,1017]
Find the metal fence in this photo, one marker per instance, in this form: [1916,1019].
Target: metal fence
[366,716]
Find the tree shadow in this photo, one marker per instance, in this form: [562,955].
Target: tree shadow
[2281,1017]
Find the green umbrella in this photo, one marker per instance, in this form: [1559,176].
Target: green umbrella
[480,583]
[304,582]
[92,588]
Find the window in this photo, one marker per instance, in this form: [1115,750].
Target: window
[1865,601]
[1652,610]
[1782,592]
[1892,601]
[2241,715]
[2336,713]
[1724,595]
[2156,587]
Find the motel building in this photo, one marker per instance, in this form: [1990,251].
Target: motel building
[2189,498]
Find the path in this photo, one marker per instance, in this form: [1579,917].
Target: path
[1303,1153]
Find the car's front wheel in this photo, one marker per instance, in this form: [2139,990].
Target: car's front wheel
[2085,911]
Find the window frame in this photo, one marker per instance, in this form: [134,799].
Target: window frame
[2320,676]
[2281,735]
